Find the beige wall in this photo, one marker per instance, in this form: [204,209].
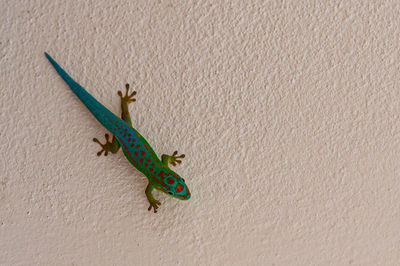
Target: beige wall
[288,113]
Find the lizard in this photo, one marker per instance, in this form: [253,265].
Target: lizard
[134,146]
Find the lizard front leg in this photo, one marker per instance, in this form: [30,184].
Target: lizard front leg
[173,159]
[153,202]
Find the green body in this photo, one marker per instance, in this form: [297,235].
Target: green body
[136,149]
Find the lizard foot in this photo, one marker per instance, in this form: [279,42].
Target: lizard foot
[154,204]
[174,159]
[127,98]
[105,147]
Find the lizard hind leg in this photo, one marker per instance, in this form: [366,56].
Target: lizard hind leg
[112,146]
[125,100]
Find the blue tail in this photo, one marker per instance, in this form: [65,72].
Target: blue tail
[102,114]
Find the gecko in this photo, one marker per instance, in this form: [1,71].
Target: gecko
[134,146]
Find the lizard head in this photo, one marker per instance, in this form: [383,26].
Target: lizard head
[178,188]
[174,185]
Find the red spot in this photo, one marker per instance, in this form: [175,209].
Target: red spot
[161,183]
[161,175]
[109,120]
[126,129]
[129,139]
[153,164]
[141,159]
[119,128]
[138,146]
[124,135]
[132,145]
[142,152]
[145,164]
[179,188]
[136,153]
[129,134]
[115,128]
[166,174]
[120,132]
[170,181]
[151,169]
[148,159]
[133,140]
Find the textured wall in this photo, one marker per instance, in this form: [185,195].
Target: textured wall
[288,113]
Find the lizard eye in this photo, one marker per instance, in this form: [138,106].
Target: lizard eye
[183,180]
[170,193]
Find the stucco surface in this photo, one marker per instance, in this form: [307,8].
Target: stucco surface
[287,111]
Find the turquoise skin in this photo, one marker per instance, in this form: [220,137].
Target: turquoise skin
[136,149]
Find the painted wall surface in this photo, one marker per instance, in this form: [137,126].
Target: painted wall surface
[288,113]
